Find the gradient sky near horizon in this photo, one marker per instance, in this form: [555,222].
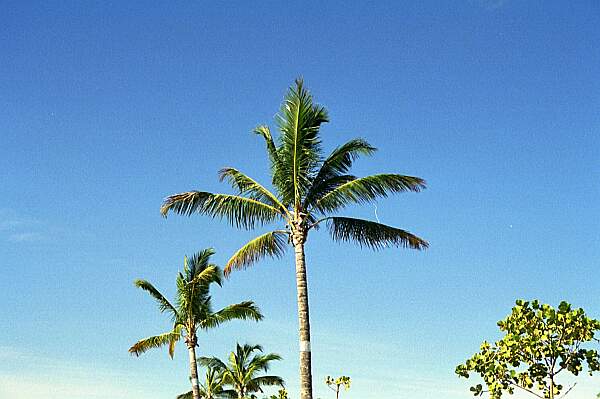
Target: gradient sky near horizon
[107,107]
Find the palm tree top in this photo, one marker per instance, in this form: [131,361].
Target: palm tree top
[309,188]
[243,368]
[193,309]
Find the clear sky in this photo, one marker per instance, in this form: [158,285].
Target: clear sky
[107,107]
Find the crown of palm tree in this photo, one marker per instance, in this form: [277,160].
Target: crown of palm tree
[243,367]
[309,188]
[193,307]
[212,387]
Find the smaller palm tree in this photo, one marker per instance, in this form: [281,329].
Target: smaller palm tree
[337,383]
[243,368]
[212,387]
[193,310]
[282,394]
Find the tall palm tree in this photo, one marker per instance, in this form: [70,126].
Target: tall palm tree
[212,387]
[193,310]
[309,189]
[242,368]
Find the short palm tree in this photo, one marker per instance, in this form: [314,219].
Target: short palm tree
[309,189]
[193,310]
[242,369]
[212,387]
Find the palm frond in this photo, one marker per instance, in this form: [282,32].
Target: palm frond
[265,132]
[154,342]
[175,336]
[212,363]
[198,261]
[246,310]
[371,234]
[248,186]
[299,121]
[335,166]
[244,351]
[227,393]
[210,274]
[272,244]
[239,211]
[367,189]
[163,304]
[319,190]
[263,361]
[268,380]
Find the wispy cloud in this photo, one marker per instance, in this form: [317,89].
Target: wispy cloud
[25,237]
[18,228]
[28,375]
[491,4]
[495,4]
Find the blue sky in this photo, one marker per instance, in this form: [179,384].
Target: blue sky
[106,108]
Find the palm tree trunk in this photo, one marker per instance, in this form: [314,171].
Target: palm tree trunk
[193,370]
[303,319]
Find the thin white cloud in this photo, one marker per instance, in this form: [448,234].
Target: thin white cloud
[496,4]
[29,375]
[18,228]
[490,4]
[25,237]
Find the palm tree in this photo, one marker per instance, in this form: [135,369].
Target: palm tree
[212,388]
[242,368]
[193,310]
[309,189]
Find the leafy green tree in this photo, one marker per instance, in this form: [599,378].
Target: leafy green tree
[212,387]
[242,369]
[539,344]
[309,189]
[193,310]
[281,394]
[337,383]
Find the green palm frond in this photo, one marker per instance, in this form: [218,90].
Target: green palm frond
[371,234]
[248,186]
[210,274]
[262,362]
[246,310]
[212,363]
[268,380]
[265,132]
[323,188]
[227,394]
[175,336]
[239,211]
[367,189]
[163,304]
[196,262]
[243,352]
[272,244]
[154,342]
[187,395]
[334,168]
[299,121]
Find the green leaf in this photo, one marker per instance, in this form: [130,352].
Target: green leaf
[239,211]
[371,234]
[367,189]
[272,244]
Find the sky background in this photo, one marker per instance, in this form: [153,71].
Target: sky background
[107,107]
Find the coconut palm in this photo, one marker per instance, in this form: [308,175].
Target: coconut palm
[242,369]
[212,387]
[193,310]
[309,190]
